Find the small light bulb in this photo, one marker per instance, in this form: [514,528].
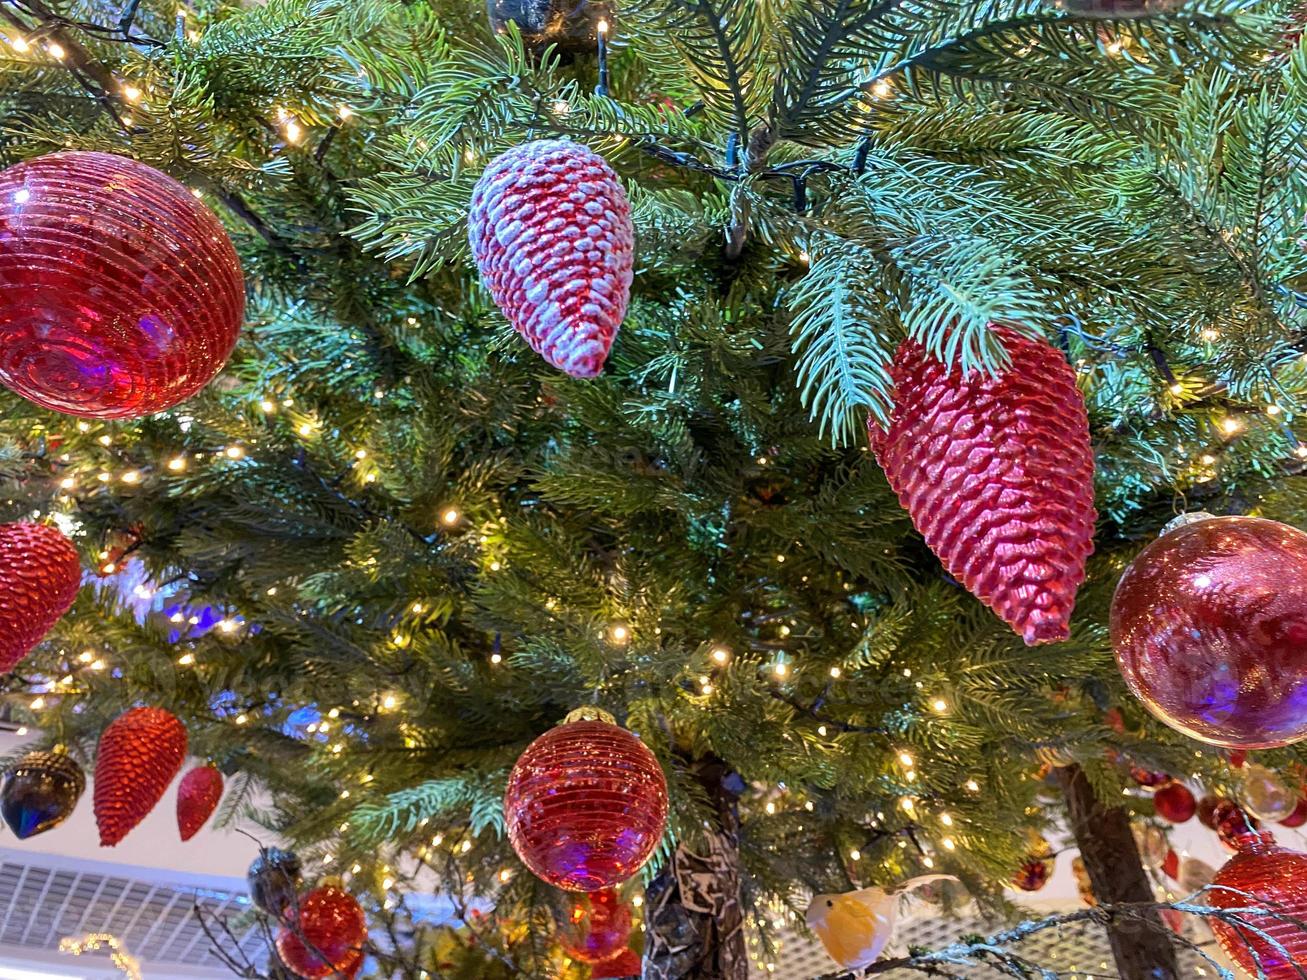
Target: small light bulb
[939,705]
[131,476]
[1229,425]
[228,625]
[781,669]
[855,855]
[305,429]
[1207,459]
[881,89]
[56,51]
[388,702]
[602,27]
[496,658]
[949,844]
[105,440]
[972,786]
[1209,334]
[835,672]
[721,655]
[450,517]
[177,464]
[770,807]
[1177,388]
[293,130]
[821,730]
[1273,410]
[186,659]
[906,759]
[267,406]
[20,45]
[67,483]
[131,93]
[620,634]
[345,113]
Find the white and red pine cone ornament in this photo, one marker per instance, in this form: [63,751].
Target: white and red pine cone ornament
[997,473]
[40,574]
[550,229]
[140,753]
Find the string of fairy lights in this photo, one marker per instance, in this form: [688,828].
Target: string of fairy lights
[115,468]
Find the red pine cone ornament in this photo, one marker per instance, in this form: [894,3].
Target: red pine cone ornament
[550,229]
[325,935]
[39,577]
[1263,875]
[197,797]
[998,476]
[141,752]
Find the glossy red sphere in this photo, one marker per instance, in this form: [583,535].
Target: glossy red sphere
[1210,629]
[1276,879]
[324,935]
[120,293]
[597,926]
[1298,817]
[1175,803]
[586,805]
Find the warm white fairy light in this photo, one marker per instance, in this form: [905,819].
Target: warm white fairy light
[619,633]
[906,759]
[344,112]
[131,93]
[1177,388]
[186,659]
[881,89]
[67,483]
[1273,410]
[496,658]
[835,672]
[971,786]
[855,855]
[450,517]
[56,50]
[131,476]
[37,703]
[242,718]
[720,656]
[177,464]
[939,705]
[21,46]
[780,668]
[1229,425]
[267,406]
[105,440]
[126,963]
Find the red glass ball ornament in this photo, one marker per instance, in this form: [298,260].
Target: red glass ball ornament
[40,574]
[1033,875]
[120,293]
[1175,803]
[586,805]
[1207,809]
[1210,629]
[1298,817]
[1232,822]
[324,935]
[597,928]
[1263,875]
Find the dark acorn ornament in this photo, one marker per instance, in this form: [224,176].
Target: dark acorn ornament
[571,26]
[39,792]
[274,879]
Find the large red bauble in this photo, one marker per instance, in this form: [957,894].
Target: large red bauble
[550,229]
[120,293]
[325,935]
[998,475]
[140,753]
[1210,629]
[586,805]
[1175,803]
[39,577]
[198,796]
[1276,879]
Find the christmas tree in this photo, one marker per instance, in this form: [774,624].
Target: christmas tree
[1033,258]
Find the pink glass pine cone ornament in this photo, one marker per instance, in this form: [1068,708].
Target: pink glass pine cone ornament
[997,473]
[550,229]
[120,293]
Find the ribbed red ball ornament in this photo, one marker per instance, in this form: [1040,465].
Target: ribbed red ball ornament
[198,795]
[586,803]
[120,293]
[140,753]
[998,476]
[39,577]
[1263,875]
[551,233]
[1209,625]
[597,926]
[1174,802]
[324,936]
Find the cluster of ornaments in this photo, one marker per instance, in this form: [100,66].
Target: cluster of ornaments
[586,804]
[322,932]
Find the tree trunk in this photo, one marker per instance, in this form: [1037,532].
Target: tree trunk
[694,925]
[1142,947]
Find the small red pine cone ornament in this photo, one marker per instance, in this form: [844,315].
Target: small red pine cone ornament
[586,804]
[1263,875]
[1209,625]
[1033,875]
[551,233]
[141,752]
[198,795]
[1174,803]
[40,574]
[120,293]
[998,476]
[324,935]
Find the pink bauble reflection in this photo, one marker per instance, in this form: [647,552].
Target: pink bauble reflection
[120,293]
[1209,625]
